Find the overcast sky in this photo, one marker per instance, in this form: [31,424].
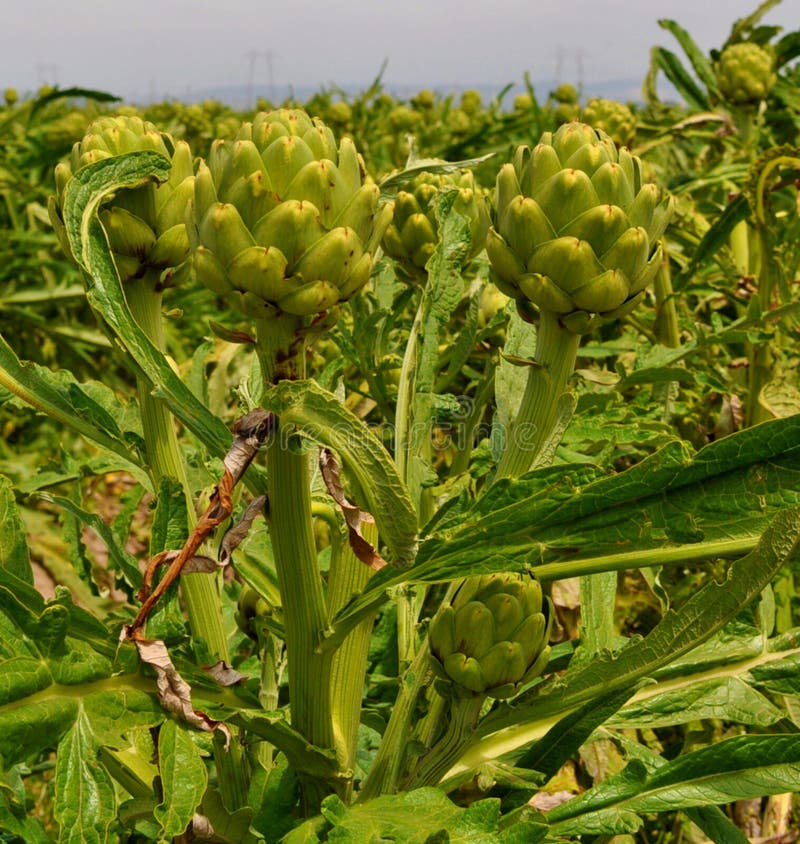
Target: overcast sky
[158,48]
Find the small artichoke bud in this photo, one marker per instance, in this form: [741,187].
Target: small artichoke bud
[412,235]
[613,118]
[145,226]
[575,232]
[286,220]
[492,639]
[745,73]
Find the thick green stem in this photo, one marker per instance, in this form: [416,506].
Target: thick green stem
[464,714]
[761,359]
[305,610]
[391,756]
[200,591]
[348,576]
[528,434]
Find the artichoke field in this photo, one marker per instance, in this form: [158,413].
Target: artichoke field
[404,468]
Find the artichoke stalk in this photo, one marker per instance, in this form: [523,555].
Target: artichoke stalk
[146,231]
[575,241]
[287,225]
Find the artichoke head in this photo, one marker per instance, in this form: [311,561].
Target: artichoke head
[492,638]
[146,225]
[286,222]
[412,235]
[615,119]
[576,231]
[745,73]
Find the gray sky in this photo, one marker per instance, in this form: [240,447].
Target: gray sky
[157,48]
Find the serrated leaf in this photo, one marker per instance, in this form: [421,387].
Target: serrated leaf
[183,779]
[671,65]
[726,699]
[44,390]
[85,800]
[699,61]
[414,817]
[14,556]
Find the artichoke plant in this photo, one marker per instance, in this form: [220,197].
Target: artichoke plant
[576,230]
[575,240]
[286,222]
[492,638]
[745,73]
[615,119]
[412,235]
[145,226]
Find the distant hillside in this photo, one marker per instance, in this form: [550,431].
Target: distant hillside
[245,96]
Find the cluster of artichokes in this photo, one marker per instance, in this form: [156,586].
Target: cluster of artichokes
[576,230]
[492,638]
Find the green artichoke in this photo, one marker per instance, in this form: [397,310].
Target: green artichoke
[492,638]
[745,73]
[412,235]
[615,119]
[576,232]
[285,221]
[145,226]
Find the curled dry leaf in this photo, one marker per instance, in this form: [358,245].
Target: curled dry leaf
[223,674]
[174,693]
[239,531]
[353,515]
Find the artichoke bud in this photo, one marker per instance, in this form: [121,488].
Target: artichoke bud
[414,232]
[614,118]
[745,73]
[146,225]
[492,638]
[304,220]
[575,232]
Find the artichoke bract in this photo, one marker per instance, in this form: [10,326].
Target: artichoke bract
[745,73]
[576,230]
[286,222]
[146,225]
[413,233]
[492,638]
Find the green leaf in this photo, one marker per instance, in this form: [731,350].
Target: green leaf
[717,237]
[741,768]
[564,738]
[85,801]
[725,698]
[671,65]
[84,194]
[415,817]
[320,416]
[55,394]
[699,61]
[183,779]
[123,561]
[14,556]
[719,499]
